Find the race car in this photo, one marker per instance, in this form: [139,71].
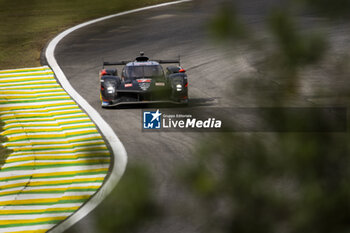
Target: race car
[143,81]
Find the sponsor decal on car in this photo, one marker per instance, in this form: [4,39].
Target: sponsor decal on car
[144,85]
[105,103]
[143,80]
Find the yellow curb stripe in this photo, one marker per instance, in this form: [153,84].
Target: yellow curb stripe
[12,212]
[58,182]
[62,174]
[43,200]
[51,190]
[25,221]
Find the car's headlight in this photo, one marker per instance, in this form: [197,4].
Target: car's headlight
[110,90]
[179,87]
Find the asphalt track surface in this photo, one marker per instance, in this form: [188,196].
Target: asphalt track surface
[162,33]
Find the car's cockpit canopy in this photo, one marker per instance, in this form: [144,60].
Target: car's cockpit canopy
[143,71]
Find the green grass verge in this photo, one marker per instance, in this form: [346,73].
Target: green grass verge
[27,26]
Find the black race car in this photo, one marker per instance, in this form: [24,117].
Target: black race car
[143,81]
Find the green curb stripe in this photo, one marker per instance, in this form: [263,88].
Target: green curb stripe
[51,138]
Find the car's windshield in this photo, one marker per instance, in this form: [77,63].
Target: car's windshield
[149,71]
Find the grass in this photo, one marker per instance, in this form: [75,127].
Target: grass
[27,26]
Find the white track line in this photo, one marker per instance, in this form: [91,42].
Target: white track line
[120,156]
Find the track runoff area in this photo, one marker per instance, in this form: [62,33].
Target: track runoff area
[59,159]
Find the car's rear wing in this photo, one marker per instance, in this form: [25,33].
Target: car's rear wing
[168,61]
[120,63]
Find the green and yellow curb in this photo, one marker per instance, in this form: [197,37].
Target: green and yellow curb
[59,158]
